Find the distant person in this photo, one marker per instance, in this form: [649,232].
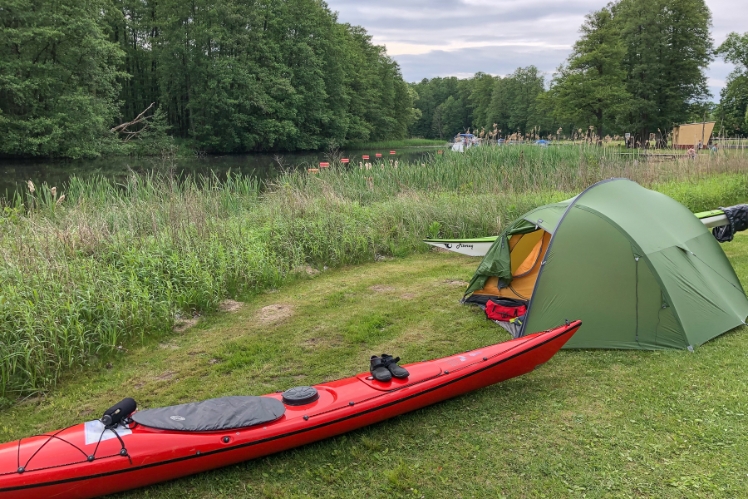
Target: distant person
[699,146]
[691,153]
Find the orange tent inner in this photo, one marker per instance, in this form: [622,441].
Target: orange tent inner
[527,252]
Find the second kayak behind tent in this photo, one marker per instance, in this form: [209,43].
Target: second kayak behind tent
[479,246]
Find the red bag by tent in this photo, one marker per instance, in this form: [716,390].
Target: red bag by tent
[505,311]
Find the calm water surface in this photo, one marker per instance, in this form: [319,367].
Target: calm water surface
[14,173]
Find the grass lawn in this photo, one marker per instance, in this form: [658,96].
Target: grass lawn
[589,423]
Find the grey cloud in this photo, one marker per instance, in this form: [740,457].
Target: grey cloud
[427,20]
[513,34]
[493,60]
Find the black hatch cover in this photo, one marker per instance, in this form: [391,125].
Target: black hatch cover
[223,413]
[300,395]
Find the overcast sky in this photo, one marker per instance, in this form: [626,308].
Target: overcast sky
[461,37]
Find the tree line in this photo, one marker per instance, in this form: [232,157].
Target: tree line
[229,75]
[253,75]
[638,67]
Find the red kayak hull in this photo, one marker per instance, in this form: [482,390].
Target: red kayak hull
[57,465]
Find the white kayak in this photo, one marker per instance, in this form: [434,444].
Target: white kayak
[470,247]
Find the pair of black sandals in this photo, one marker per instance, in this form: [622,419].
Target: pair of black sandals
[384,368]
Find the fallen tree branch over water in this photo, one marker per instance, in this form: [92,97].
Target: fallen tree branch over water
[139,119]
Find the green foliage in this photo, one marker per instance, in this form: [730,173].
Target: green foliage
[732,111]
[238,76]
[60,78]
[514,107]
[449,106]
[590,89]
[735,50]
[230,76]
[668,47]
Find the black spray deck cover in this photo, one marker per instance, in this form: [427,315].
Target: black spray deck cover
[225,413]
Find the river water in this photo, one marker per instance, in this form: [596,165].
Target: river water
[15,173]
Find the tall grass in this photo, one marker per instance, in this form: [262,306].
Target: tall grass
[507,170]
[114,263]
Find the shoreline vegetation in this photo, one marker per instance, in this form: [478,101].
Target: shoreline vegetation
[109,265]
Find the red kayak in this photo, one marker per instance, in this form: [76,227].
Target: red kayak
[128,448]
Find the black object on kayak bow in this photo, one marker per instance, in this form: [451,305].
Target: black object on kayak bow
[118,412]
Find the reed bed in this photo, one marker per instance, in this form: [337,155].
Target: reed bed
[111,264]
[508,170]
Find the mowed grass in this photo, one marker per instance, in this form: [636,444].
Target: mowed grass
[589,423]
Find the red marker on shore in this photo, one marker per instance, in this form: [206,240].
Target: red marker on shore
[379,155]
[345,160]
[324,164]
[365,156]
[392,153]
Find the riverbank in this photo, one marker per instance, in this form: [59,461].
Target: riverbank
[114,264]
[600,423]
[183,160]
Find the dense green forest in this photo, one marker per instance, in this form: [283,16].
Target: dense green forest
[230,75]
[81,78]
[638,66]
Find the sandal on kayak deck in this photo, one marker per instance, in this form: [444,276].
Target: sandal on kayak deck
[391,363]
[379,369]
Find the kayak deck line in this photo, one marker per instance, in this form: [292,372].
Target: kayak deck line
[446,378]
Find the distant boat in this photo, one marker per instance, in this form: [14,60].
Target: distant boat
[465,141]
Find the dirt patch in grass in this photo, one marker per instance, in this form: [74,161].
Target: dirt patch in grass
[85,412]
[230,306]
[322,342]
[165,376]
[306,270]
[380,288]
[183,325]
[277,312]
[461,284]
[407,296]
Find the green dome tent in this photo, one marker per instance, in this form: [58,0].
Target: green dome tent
[634,265]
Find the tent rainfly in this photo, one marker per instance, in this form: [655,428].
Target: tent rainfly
[634,265]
